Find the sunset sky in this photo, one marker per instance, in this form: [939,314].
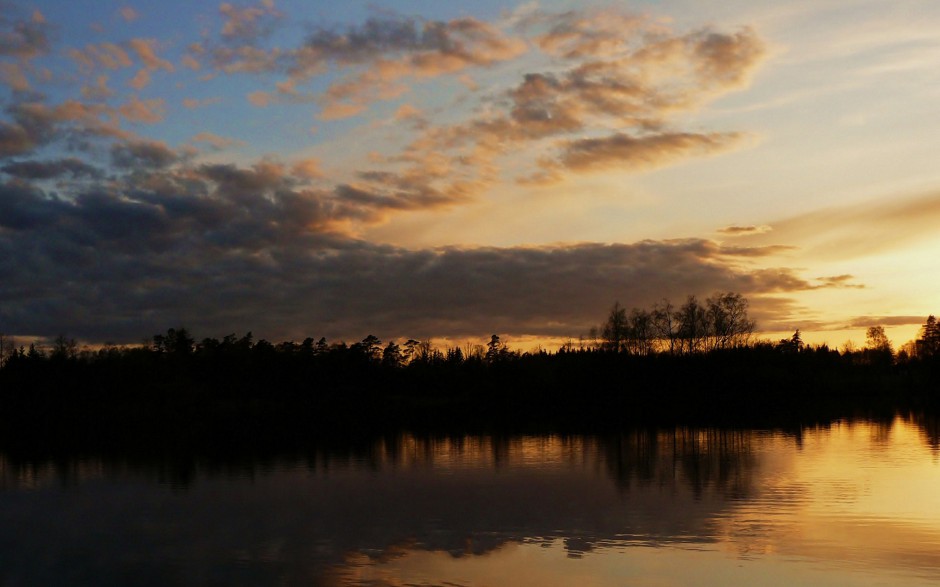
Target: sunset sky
[448,170]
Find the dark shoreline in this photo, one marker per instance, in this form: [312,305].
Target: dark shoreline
[147,402]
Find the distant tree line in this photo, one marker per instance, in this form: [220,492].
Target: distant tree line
[719,323]
[697,362]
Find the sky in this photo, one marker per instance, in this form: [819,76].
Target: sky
[444,170]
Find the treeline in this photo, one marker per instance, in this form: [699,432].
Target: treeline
[694,364]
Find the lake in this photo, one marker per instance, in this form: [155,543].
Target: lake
[852,503]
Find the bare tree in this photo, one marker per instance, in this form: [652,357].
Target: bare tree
[664,325]
[615,329]
[641,332]
[728,322]
[693,326]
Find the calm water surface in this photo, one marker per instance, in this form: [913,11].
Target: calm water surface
[852,504]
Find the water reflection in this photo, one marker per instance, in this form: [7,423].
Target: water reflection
[848,504]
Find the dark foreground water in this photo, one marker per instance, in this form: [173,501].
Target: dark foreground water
[851,504]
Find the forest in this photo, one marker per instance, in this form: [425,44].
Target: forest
[696,363]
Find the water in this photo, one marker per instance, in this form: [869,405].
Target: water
[851,504]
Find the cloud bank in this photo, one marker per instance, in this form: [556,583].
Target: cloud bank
[109,231]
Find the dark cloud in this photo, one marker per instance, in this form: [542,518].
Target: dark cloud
[142,154]
[109,265]
[462,41]
[866,321]
[643,152]
[378,36]
[69,167]
[161,240]
[15,140]
[24,207]
[34,124]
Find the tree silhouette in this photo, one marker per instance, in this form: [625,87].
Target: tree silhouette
[615,329]
[495,349]
[391,355]
[928,345]
[176,341]
[877,340]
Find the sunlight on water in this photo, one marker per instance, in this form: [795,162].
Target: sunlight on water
[850,504]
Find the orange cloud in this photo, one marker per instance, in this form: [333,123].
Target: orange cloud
[147,54]
[215,140]
[129,14]
[98,91]
[645,152]
[106,55]
[743,230]
[307,169]
[12,75]
[247,23]
[192,103]
[148,111]
[340,110]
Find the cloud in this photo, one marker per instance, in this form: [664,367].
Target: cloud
[307,168]
[147,111]
[112,56]
[190,62]
[425,47]
[192,103]
[373,57]
[760,251]
[247,24]
[99,91]
[603,93]
[334,110]
[15,140]
[575,34]
[34,124]
[727,59]
[742,230]
[866,321]
[634,84]
[24,38]
[130,235]
[144,48]
[858,229]
[142,154]
[129,14]
[69,167]
[839,281]
[106,55]
[147,54]
[13,75]
[216,141]
[218,247]
[626,152]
